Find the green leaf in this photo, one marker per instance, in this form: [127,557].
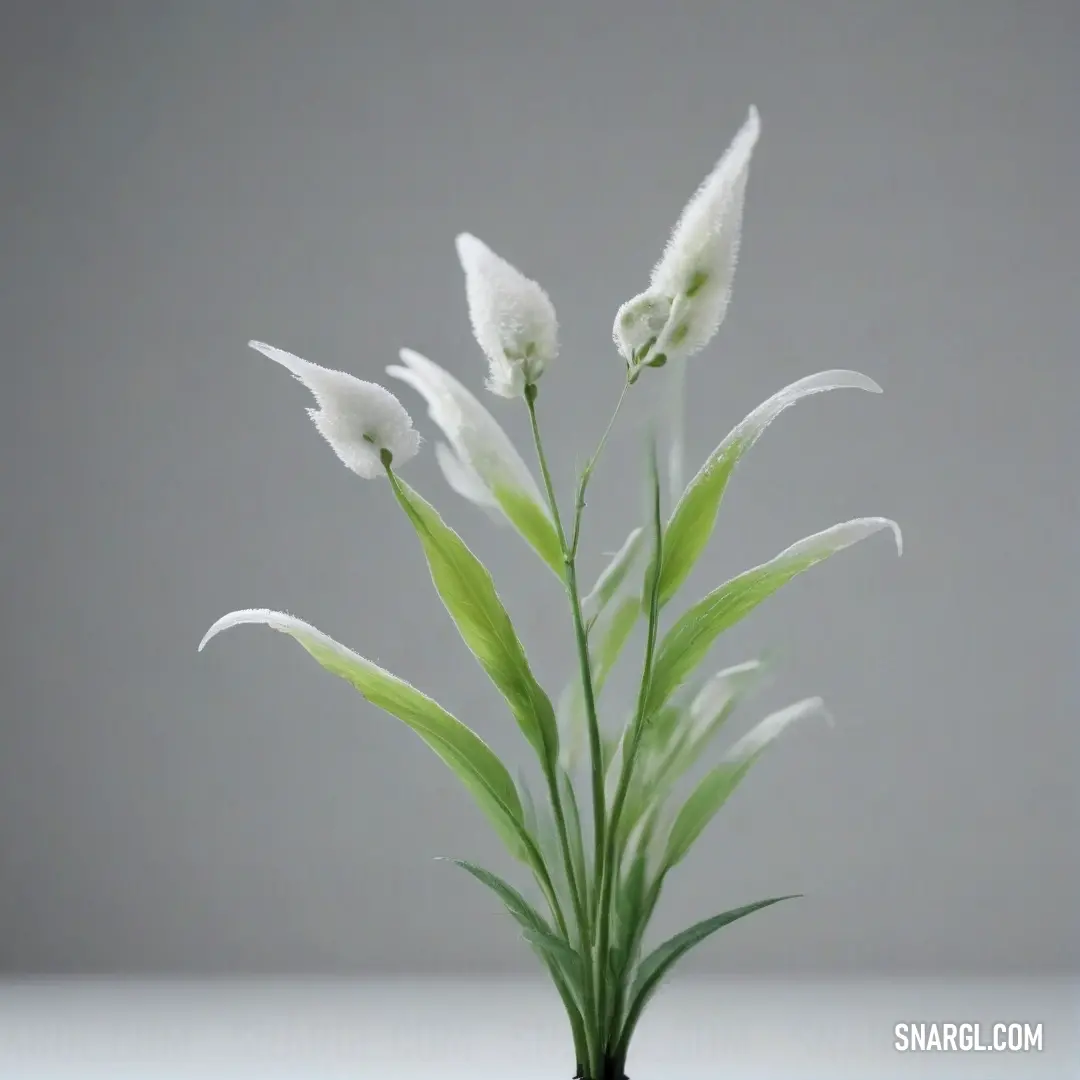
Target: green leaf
[469,595]
[719,784]
[540,824]
[515,903]
[530,919]
[574,829]
[694,517]
[660,961]
[680,734]
[618,626]
[566,961]
[613,575]
[481,463]
[689,639]
[699,722]
[702,805]
[573,725]
[630,902]
[533,523]
[471,759]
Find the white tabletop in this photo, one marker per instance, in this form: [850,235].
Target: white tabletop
[447,1029]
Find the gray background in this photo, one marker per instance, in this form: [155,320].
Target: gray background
[178,178]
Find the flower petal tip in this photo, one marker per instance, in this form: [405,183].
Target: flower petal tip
[470,249]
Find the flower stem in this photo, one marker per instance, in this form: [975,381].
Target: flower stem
[610,869]
[599,925]
[586,473]
[570,579]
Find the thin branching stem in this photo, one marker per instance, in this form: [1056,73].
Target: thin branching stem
[586,473]
[570,579]
[597,968]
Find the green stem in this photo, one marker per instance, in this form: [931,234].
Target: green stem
[610,868]
[586,473]
[570,578]
[596,983]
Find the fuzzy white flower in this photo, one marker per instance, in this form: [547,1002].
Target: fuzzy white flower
[480,460]
[512,317]
[690,288]
[358,419]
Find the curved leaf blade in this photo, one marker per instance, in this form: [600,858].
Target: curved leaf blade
[694,517]
[564,958]
[516,904]
[574,829]
[660,961]
[720,783]
[618,626]
[688,640]
[540,824]
[481,462]
[534,525]
[680,734]
[527,916]
[468,593]
[470,758]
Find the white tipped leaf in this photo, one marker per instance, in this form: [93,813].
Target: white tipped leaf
[694,517]
[481,462]
[689,639]
[719,784]
[470,758]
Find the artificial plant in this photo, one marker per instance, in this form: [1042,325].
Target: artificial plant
[607,827]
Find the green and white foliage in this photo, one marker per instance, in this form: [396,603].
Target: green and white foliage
[604,824]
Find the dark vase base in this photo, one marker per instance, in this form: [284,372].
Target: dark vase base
[611,1072]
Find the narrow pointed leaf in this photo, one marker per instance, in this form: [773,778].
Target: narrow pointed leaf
[689,639]
[618,625]
[481,462]
[515,903]
[534,525]
[471,759]
[572,724]
[694,516]
[614,574]
[660,961]
[574,829]
[680,734]
[720,783]
[564,959]
[569,959]
[702,805]
[469,595]
[540,823]
[530,919]
[680,747]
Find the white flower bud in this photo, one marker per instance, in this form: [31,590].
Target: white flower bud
[639,322]
[360,420]
[512,317]
[691,284]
